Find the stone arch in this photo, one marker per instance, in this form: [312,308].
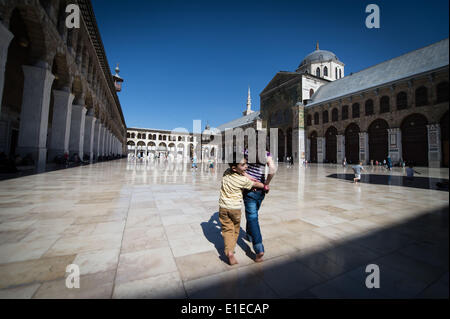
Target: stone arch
[77,89]
[352,143]
[415,139]
[378,140]
[32,17]
[331,144]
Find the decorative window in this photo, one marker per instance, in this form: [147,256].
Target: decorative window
[340,74]
[369,107]
[311,92]
[325,117]
[336,74]
[345,112]
[309,120]
[335,115]
[325,71]
[421,96]
[402,101]
[318,72]
[355,110]
[384,104]
[316,118]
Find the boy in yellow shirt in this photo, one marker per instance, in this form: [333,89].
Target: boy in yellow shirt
[230,204]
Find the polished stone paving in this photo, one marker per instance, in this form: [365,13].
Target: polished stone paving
[152,231]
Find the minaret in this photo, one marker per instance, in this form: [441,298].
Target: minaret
[249,104]
[117,79]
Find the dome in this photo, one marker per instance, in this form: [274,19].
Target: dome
[319,56]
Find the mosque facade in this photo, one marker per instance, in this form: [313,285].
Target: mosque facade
[398,108]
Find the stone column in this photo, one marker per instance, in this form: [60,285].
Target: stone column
[320,149]
[34,115]
[364,147]
[62,117]
[298,145]
[96,137]
[395,144]
[77,125]
[340,139]
[89,137]
[285,147]
[434,145]
[99,141]
[102,142]
[5,40]
[308,150]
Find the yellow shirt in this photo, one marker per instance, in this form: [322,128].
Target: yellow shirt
[231,190]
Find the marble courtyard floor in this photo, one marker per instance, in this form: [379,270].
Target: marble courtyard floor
[151,231]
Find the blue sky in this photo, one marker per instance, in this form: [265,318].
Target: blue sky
[186,60]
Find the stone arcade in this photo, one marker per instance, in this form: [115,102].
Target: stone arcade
[57,93]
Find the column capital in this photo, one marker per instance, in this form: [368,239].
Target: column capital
[393,130]
[433,127]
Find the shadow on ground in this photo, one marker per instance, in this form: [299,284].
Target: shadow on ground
[412,256]
[211,230]
[395,180]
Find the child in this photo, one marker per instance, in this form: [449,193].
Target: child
[410,172]
[230,204]
[357,169]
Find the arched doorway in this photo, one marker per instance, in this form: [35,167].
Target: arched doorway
[313,147]
[331,145]
[352,143]
[415,139]
[281,149]
[444,139]
[378,140]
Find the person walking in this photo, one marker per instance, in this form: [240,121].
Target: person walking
[253,198]
[389,163]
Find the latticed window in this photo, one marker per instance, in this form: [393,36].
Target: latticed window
[316,118]
[355,110]
[421,96]
[402,101]
[384,104]
[369,107]
[334,115]
[345,112]
[325,116]
[442,92]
